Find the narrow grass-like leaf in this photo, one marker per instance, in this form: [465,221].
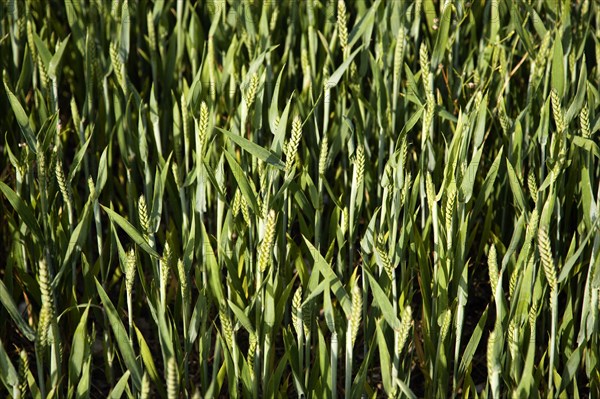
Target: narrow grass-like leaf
[279,137]
[57,57]
[14,313]
[441,40]
[76,240]
[79,155]
[131,231]
[120,386]
[121,337]
[157,195]
[515,187]
[242,180]
[366,22]
[335,77]
[148,361]
[325,269]
[384,360]
[588,145]
[22,119]
[8,374]
[472,345]
[468,182]
[214,276]
[570,369]
[102,172]
[23,210]
[274,108]
[566,268]
[78,348]
[261,153]
[558,68]
[76,23]
[487,188]
[382,301]
[577,103]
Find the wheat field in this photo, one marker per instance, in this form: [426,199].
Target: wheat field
[299,198]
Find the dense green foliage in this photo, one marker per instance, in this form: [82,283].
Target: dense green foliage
[236,198]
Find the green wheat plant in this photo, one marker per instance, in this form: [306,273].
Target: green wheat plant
[312,199]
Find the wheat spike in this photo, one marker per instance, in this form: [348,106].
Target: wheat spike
[45,287]
[532,185]
[385,259]
[424,63]
[399,52]
[504,120]
[172,379]
[342,26]
[403,153]
[130,271]
[251,90]
[430,191]
[62,183]
[226,326]
[183,280]
[143,216]
[308,316]
[356,313]
[449,213]
[165,266]
[252,352]
[237,203]
[513,339]
[532,229]
[44,78]
[297,311]
[492,363]
[47,310]
[23,372]
[266,247]
[43,326]
[245,211]
[118,67]
[344,220]
[405,324]
[405,193]
[145,390]
[557,111]
[41,159]
[546,257]
[532,316]
[512,283]
[584,121]
[360,164]
[446,324]
[493,269]
[203,125]
[427,78]
[30,42]
[323,155]
[542,54]
[292,147]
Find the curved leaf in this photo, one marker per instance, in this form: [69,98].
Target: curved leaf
[121,337]
[131,231]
